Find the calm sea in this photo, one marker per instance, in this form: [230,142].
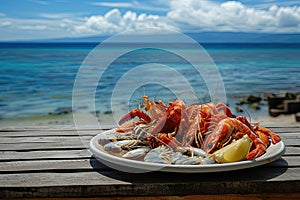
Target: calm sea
[38,78]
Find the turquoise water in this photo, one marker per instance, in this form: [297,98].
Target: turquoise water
[38,78]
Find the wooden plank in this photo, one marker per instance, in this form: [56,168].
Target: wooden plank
[54,179]
[75,145]
[42,164]
[40,155]
[78,154]
[43,146]
[43,139]
[89,131]
[265,196]
[288,139]
[54,133]
[285,130]
[293,151]
[26,133]
[286,161]
[291,142]
[101,125]
[289,134]
[108,125]
[282,125]
[116,183]
[56,136]
[70,142]
[117,177]
[93,164]
[42,143]
[52,165]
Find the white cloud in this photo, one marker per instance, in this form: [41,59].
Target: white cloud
[113,4]
[40,2]
[56,15]
[184,16]
[232,16]
[34,27]
[113,17]
[114,22]
[288,17]
[5,23]
[268,3]
[134,5]
[12,29]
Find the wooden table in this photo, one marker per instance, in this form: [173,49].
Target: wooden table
[55,163]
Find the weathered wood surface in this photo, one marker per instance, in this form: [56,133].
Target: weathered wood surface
[56,163]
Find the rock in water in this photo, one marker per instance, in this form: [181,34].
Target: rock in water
[61,111]
[253,99]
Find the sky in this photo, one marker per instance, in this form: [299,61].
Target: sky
[41,19]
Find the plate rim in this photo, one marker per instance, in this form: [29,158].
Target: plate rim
[129,165]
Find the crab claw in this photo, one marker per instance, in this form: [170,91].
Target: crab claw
[135,113]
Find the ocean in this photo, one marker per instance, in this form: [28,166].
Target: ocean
[37,79]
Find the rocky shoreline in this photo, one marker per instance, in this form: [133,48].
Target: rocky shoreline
[276,104]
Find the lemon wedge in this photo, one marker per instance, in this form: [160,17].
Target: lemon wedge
[233,152]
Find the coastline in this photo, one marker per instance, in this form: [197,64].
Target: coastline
[67,120]
[38,92]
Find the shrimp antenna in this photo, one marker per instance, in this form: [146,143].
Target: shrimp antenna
[216,89]
[144,91]
[157,93]
[200,100]
[183,92]
[138,101]
[247,113]
[205,96]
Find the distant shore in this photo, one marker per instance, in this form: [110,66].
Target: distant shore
[67,120]
[255,108]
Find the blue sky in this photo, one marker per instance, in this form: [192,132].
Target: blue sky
[41,19]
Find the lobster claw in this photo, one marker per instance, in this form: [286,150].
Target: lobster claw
[135,113]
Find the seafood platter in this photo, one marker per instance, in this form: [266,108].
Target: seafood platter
[176,137]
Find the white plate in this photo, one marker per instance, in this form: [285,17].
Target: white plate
[273,153]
